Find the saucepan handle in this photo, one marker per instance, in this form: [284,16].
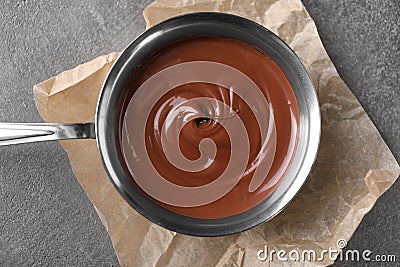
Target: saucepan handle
[18,133]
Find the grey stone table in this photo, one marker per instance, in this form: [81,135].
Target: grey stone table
[46,218]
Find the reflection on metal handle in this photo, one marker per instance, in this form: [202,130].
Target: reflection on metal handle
[18,133]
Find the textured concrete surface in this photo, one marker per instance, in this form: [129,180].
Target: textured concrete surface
[363,40]
[45,217]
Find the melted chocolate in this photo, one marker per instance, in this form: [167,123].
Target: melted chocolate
[272,84]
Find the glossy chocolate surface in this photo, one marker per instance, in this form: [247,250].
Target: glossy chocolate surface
[274,87]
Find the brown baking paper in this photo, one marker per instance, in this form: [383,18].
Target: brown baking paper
[353,168]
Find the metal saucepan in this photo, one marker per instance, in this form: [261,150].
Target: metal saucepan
[106,126]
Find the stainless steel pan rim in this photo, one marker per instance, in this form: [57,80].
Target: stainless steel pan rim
[226,26]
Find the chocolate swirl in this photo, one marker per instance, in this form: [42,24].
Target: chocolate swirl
[185,111]
[195,132]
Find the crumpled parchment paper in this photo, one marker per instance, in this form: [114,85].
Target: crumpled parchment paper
[353,168]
